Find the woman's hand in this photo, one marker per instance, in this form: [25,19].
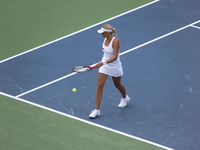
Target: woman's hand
[99,64]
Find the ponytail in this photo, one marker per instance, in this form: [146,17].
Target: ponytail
[114,32]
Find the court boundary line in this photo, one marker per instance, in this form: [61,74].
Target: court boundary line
[122,53]
[66,36]
[87,122]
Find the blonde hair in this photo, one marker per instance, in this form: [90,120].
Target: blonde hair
[109,27]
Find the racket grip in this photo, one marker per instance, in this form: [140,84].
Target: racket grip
[92,67]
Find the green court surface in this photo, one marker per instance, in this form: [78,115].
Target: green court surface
[24,126]
[26,24]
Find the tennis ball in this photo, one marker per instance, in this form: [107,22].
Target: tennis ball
[74,90]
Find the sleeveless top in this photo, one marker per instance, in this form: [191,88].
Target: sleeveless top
[114,68]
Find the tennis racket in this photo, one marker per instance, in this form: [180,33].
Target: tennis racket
[83,68]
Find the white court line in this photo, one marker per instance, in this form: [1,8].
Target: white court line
[156,39]
[88,122]
[39,87]
[79,31]
[127,51]
[196,27]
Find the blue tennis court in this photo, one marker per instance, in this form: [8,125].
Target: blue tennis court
[160,52]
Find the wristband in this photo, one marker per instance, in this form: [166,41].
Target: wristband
[104,62]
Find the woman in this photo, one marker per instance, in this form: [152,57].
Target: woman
[109,66]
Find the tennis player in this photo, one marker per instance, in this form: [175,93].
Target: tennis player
[109,66]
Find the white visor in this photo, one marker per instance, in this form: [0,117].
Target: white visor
[102,30]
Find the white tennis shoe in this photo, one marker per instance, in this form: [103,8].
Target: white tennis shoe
[95,113]
[124,101]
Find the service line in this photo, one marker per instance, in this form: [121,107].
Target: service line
[125,52]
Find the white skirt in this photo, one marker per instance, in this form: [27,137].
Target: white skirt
[111,71]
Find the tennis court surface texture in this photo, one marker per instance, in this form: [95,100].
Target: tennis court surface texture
[41,41]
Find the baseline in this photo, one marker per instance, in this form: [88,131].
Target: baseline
[85,121]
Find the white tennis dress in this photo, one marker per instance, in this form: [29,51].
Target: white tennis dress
[114,68]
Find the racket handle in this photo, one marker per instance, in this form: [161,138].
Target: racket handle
[92,67]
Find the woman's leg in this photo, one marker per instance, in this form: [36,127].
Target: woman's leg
[99,92]
[119,86]
[125,98]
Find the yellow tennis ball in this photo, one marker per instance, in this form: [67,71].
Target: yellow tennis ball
[74,90]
